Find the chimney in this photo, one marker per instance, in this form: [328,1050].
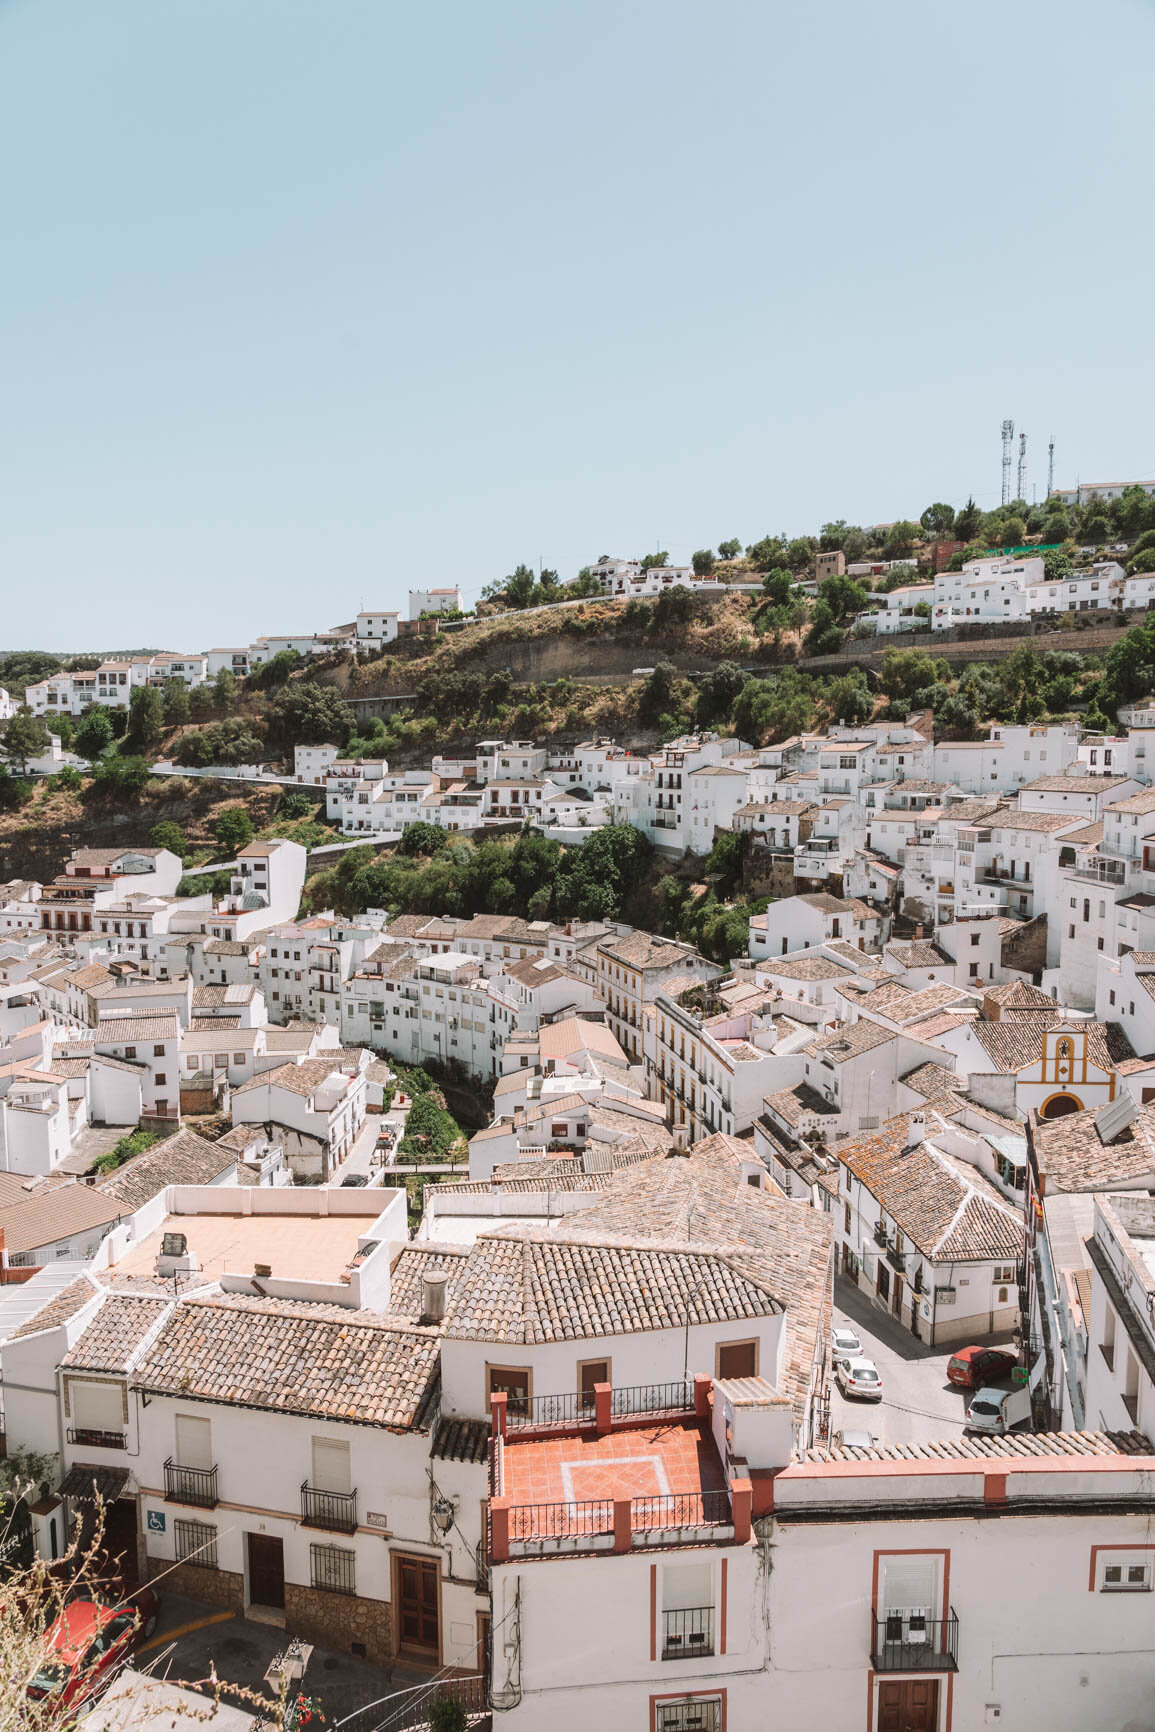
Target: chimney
[433,1298]
[915,1129]
[918,932]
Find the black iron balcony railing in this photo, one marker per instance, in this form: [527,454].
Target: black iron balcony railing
[334,1510]
[910,1641]
[686,1633]
[191,1485]
[93,1439]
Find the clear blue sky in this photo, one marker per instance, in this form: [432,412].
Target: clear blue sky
[307,301]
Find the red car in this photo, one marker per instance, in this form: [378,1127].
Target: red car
[88,1644]
[972,1367]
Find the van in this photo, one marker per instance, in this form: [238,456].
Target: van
[998,1411]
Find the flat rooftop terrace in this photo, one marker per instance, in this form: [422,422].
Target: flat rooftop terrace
[659,1484]
[296,1247]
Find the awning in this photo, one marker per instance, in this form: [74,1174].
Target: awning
[86,1482]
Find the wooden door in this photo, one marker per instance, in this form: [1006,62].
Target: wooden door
[908,1705]
[898,1296]
[266,1570]
[417,1609]
[593,1371]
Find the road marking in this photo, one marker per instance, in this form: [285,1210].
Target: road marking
[185,1629]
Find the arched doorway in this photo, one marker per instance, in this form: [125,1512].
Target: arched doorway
[1058,1106]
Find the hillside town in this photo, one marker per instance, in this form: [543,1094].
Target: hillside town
[605,1371]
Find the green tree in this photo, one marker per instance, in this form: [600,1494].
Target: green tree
[900,539]
[422,838]
[233,829]
[849,699]
[938,520]
[842,596]
[25,736]
[168,835]
[308,714]
[650,560]
[177,708]
[832,535]
[1057,565]
[119,775]
[824,638]
[1096,529]
[225,688]
[966,524]
[799,553]
[145,719]
[729,549]
[232,741]
[15,791]
[716,693]
[584,586]
[771,551]
[779,585]
[703,561]
[905,672]
[656,691]
[1014,532]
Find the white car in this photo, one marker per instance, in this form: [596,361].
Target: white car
[859,1377]
[998,1410]
[844,1344]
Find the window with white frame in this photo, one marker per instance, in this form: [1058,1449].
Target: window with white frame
[1127,1571]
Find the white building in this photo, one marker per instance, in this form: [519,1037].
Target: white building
[425,601]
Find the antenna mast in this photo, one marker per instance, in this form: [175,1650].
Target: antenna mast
[1008,443]
[1051,466]
[1021,484]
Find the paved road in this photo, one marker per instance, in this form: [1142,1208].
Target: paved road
[360,1155]
[918,1404]
[240,1651]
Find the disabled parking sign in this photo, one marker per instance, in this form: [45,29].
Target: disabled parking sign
[156,1521]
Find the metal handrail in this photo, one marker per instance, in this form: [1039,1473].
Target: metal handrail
[191,1485]
[335,1511]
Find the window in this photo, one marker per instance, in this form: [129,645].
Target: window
[1121,1574]
[975,938]
[847,1222]
[516,1382]
[689,1714]
[158,1052]
[333,1568]
[331,1469]
[130,1052]
[196,1543]
[736,1359]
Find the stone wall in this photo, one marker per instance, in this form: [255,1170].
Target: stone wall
[224,1588]
[1025,947]
[340,1621]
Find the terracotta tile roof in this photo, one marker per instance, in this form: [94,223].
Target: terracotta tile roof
[701,1200]
[947,1209]
[59,1308]
[922,953]
[645,950]
[526,1289]
[461,1440]
[799,1102]
[932,1080]
[1072,1156]
[183,1159]
[1139,804]
[805,967]
[978,1447]
[56,1213]
[119,1030]
[1018,995]
[573,1034]
[116,1333]
[1043,821]
[292,1357]
[1074,784]
[850,1040]
[297,1079]
[413,1263]
[1016,1040]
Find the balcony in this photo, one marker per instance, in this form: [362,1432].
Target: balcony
[688,1633]
[909,1641]
[93,1439]
[896,1258]
[190,1485]
[336,1511]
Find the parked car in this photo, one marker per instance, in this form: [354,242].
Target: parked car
[854,1439]
[859,1377]
[355,1179]
[844,1343]
[998,1410]
[972,1367]
[89,1642]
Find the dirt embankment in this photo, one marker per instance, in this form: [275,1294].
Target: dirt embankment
[36,841]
